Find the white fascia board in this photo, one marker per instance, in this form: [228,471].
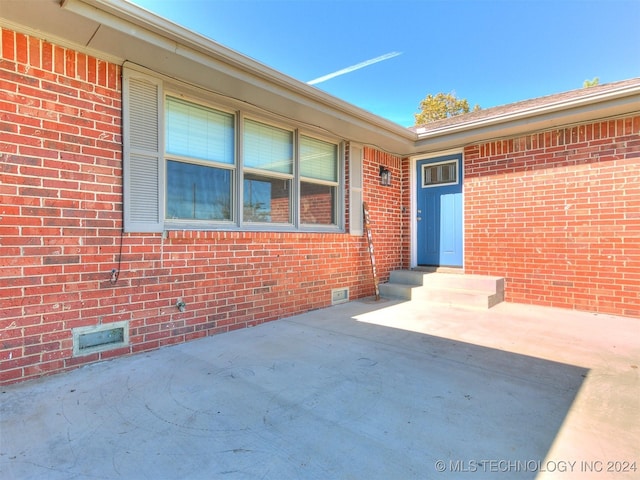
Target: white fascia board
[606,104]
[145,27]
[44,19]
[522,125]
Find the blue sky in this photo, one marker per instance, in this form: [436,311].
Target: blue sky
[491,52]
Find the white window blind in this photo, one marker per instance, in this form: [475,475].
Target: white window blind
[318,159]
[182,171]
[198,132]
[267,147]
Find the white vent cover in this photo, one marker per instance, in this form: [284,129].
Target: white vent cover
[98,338]
[339,295]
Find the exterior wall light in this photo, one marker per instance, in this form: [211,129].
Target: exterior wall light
[385,176]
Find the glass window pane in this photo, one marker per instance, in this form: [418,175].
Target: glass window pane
[267,199]
[440,173]
[318,159]
[317,204]
[198,132]
[198,192]
[267,147]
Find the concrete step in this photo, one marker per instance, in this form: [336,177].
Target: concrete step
[476,291]
[446,280]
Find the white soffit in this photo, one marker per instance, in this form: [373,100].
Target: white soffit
[142,38]
[118,31]
[608,104]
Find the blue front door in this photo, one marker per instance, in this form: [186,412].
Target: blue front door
[439,211]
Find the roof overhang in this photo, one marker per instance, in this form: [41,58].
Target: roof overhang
[602,105]
[119,31]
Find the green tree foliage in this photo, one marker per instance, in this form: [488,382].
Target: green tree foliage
[440,106]
[591,83]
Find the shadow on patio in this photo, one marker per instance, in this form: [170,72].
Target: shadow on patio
[328,394]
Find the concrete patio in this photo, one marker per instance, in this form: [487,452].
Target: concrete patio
[364,390]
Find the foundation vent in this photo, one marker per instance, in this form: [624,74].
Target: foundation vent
[87,340]
[339,295]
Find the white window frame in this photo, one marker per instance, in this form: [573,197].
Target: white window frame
[431,165]
[192,224]
[164,88]
[266,226]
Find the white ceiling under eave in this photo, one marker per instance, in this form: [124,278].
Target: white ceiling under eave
[119,31]
[610,105]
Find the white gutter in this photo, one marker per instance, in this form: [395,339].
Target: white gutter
[170,48]
[184,38]
[624,92]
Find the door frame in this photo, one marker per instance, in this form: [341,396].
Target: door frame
[413,223]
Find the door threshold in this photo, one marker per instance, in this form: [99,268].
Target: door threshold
[427,268]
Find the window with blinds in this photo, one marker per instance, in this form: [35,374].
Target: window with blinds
[199,132]
[267,147]
[318,181]
[268,173]
[199,146]
[318,159]
[190,165]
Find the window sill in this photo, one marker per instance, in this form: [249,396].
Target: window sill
[257,228]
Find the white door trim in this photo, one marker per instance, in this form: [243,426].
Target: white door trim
[413,224]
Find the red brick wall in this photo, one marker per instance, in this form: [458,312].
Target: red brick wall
[558,214]
[385,210]
[61,222]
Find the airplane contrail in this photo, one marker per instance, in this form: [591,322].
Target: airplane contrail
[352,68]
